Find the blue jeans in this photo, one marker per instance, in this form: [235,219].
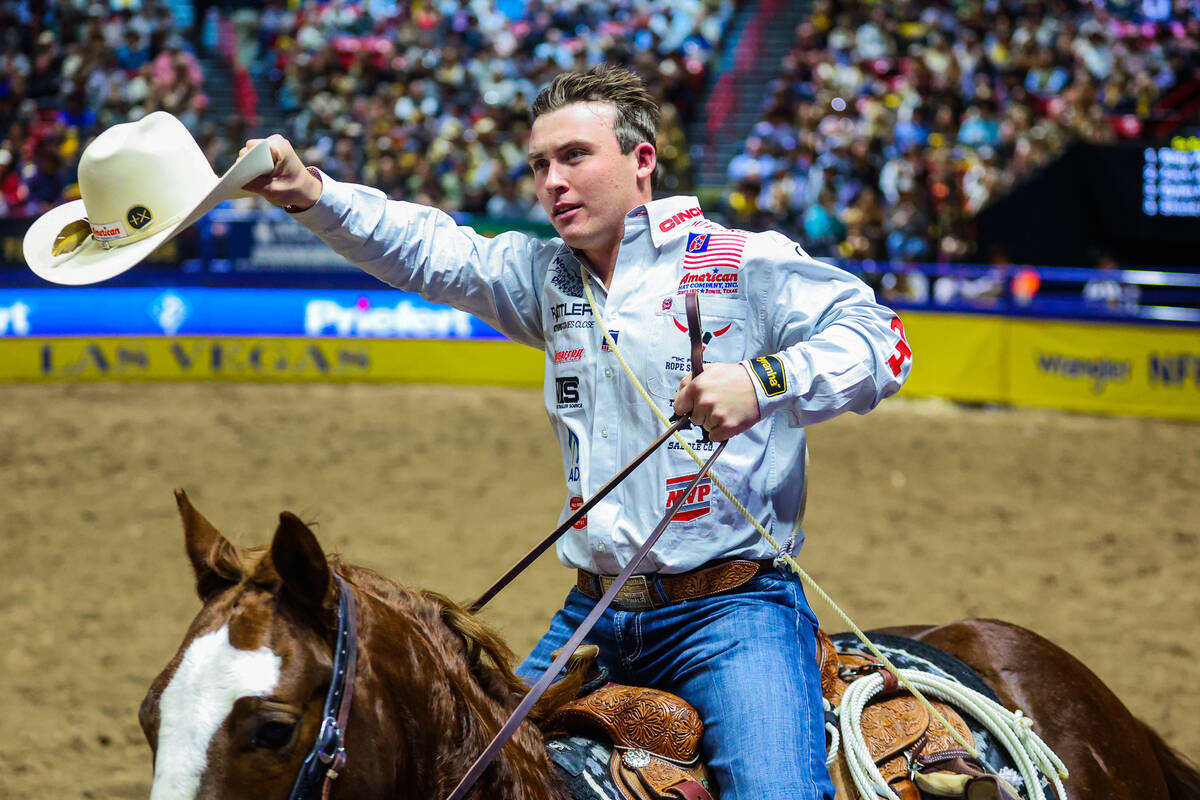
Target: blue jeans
[746,660]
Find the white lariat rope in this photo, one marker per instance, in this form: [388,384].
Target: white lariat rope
[1012,729]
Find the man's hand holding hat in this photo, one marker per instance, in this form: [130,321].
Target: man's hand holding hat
[289,183]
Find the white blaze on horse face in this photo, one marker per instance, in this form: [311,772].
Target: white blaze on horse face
[211,677]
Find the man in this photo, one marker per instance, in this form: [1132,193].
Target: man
[789,341]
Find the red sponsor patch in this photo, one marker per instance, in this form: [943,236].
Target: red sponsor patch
[568,356]
[712,281]
[576,504]
[697,503]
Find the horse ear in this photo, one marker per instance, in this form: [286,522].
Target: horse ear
[300,562]
[207,549]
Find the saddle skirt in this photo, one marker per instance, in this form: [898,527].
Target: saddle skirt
[649,739]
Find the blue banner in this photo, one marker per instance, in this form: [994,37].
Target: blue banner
[201,311]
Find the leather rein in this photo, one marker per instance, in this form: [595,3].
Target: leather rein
[567,650]
[327,758]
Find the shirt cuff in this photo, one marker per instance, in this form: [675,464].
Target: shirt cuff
[327,213]
[771,382]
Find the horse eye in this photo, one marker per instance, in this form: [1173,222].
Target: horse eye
[273,734]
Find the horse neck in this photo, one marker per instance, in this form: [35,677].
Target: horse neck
[417,701]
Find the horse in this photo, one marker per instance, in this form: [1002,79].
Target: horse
[238,708]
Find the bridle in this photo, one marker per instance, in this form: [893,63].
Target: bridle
[328,755]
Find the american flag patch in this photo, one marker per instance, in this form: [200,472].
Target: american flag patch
[717,249]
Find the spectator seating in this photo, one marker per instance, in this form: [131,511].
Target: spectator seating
[72,71]
[890,126]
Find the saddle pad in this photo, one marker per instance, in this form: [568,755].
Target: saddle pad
[911,654]
[583,764]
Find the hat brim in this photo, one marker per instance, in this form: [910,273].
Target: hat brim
[91,263]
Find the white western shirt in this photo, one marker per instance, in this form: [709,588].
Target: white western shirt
[812,337]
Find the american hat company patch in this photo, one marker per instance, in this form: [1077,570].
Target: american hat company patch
[769,371]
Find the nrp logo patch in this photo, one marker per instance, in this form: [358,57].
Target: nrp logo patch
[770,374]
[697,503]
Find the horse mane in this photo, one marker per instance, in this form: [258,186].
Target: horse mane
[488,659]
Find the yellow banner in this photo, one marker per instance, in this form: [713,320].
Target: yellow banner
[1099,367]
[957,356]
[1110,368]
[1118,369]
[276,359]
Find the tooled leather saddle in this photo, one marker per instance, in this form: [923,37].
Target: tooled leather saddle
[656,737]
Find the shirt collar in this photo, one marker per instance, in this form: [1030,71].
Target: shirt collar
[667,218]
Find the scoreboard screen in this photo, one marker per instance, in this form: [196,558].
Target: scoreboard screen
[1171,182]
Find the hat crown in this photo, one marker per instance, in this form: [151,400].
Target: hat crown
[138,175]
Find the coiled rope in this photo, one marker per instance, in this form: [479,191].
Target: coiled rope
[1012,729]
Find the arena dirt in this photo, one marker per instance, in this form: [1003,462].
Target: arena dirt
[1083,528]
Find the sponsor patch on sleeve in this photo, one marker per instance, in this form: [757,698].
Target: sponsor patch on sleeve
[769,371]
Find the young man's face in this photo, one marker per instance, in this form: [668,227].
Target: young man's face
[583,180]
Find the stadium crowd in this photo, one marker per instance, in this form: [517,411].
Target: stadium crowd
[430,101]
[886,130]
[889,127]
[426,100]
[71,69]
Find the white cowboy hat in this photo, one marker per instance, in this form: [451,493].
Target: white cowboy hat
[140,183]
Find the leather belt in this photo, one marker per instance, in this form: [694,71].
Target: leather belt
[644,592]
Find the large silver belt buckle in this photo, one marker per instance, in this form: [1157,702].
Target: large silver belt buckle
[634,595]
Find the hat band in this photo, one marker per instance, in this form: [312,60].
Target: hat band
[108,236]
[117,234]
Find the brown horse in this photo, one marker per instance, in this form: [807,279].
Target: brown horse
[237,710]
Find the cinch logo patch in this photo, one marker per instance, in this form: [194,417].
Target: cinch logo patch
[673,220]
[769,371]
[567,356]
[697,503]
[614,335]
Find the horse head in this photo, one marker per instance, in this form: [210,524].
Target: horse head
[237,710]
